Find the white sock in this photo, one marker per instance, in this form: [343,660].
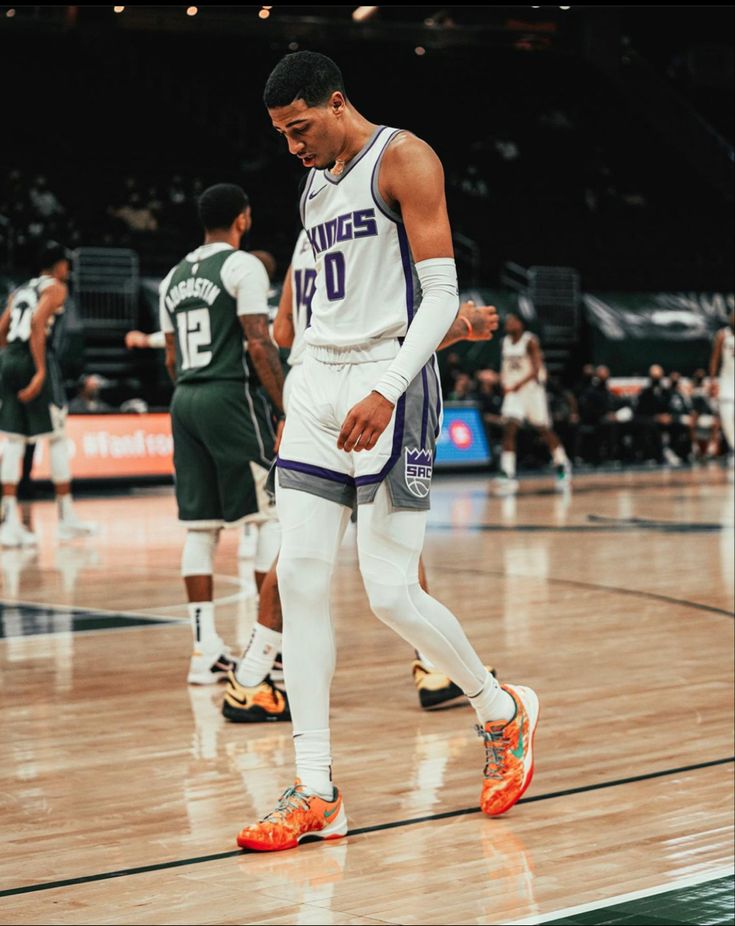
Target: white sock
[559,455]
[314,762]
[201,615]
[10,509]
[424,659]
[492,703]
[66,510]
[257,660]
[508,463]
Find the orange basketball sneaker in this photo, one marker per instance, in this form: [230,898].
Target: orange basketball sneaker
[299,813]
[509,753]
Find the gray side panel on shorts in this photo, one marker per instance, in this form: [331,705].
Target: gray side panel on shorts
[409,479]
[341,493]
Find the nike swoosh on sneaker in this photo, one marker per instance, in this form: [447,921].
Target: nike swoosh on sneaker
[317,192]
[330,813]
[518,753]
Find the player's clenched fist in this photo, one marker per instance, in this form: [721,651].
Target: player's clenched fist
[482,319]
[365,422]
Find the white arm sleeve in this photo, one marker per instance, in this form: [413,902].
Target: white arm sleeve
[164,319]
[438,309]
[245,279]
[157,339]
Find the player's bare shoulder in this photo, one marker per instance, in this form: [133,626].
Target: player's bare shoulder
[410,162]
[55,295]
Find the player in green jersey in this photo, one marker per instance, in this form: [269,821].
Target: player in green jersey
[32,400]
[222,429]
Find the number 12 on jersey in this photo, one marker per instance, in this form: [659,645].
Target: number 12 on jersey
[195,333]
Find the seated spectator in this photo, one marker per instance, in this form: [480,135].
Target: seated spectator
[87,400]
[588,374]
[564,413]
[653,420]
[464,389]
[683,419]
[599,435]
[453,370]
[489,397]
[707,424]
[136,215]
[43,200]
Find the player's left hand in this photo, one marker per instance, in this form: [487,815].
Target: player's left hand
[33,389]
[135,339]
[483,320]
[365,422]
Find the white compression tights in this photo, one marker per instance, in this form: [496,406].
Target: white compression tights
[12,456]
[389,546]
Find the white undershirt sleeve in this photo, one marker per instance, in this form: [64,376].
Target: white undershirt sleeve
[246,280]
[438,309]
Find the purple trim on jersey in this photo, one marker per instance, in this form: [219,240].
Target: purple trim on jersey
[395,450]
[407,270]
[383,206]
[320,471]
[356,161]
[425,412]
[437,429]
[302,203]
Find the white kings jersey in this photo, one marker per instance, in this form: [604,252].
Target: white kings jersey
[727,366]
[517,361]
[303,279]
[366,284]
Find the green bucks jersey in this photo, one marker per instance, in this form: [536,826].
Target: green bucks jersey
[25,302]
[201,300]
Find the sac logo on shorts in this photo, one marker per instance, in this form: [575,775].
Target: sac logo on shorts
[419,464]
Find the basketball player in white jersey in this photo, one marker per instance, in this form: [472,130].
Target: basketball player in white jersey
[722,362]
[473,323]
[32,399]
[361,425]
[523,376]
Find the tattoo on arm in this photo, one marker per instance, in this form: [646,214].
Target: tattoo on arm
[264,354]
[171,355]
[458,331]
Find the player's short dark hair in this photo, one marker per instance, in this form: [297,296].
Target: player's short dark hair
[221,204]
[51,253]
[304,75]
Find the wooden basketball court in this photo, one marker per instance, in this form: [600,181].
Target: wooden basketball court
[123,790]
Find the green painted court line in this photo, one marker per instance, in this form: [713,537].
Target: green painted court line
[706,898]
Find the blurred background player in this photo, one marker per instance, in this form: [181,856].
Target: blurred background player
[523,376]
[222,431]
[722,379]
[473,323]
[33,400]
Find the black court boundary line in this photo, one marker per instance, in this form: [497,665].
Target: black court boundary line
[635,593]
[666,527]
[360,831]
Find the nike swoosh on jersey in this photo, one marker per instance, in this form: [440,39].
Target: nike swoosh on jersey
[317,192]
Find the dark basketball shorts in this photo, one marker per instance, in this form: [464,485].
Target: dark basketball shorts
[223,449]
[45,415]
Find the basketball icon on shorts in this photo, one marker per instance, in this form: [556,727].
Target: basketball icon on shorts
[419,465]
